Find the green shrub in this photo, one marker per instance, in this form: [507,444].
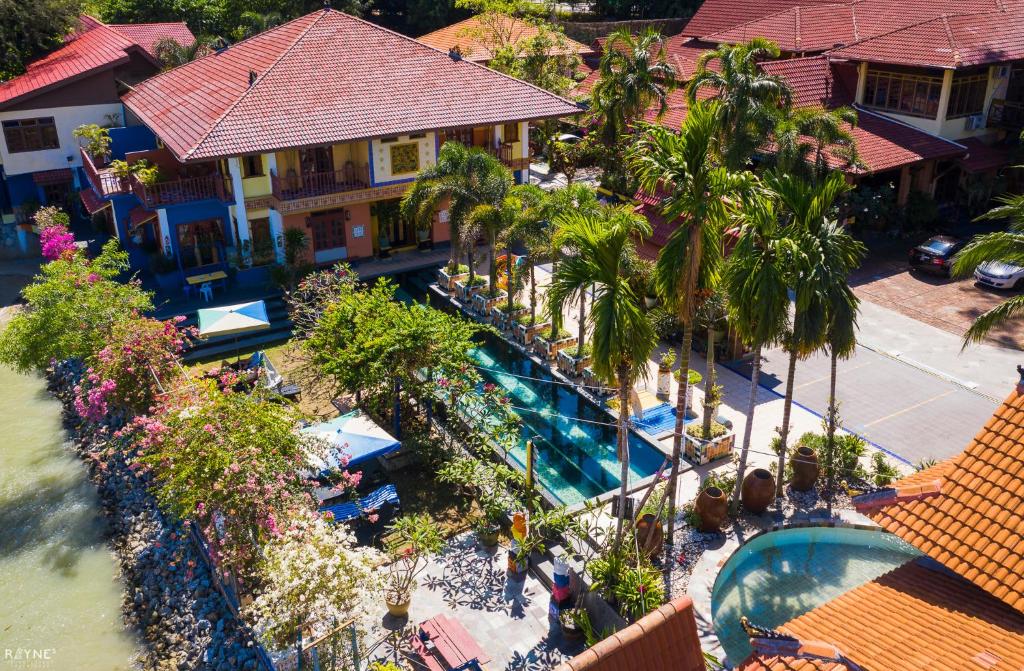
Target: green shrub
[883,472]
[666,325]
[695,430]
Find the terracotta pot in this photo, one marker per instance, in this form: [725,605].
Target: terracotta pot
[712,506]
[400,609]
[758,491]
[488,537]
[570,631]
[805,469]
[643,528]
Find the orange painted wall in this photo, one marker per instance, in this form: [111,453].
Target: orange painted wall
[298,221]
[441,232]
[359,248]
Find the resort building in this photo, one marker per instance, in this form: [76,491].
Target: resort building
[318,125]
[476,40]
[79,83]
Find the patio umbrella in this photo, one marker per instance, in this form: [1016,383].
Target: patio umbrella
[233,320]
[354,435]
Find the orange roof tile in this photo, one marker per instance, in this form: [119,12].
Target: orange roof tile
[913,618]
[663,639]
[326,78]
[465,35]
[975,526]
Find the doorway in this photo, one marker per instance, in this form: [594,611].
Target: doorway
[200,243]
[399,231]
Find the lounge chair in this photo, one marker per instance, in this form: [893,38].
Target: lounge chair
[271,379]
[375,500]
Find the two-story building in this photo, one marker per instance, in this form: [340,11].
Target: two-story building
[318,125]
[79,83]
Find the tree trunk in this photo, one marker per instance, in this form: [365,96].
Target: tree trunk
[787,408]
[583,322]
[680,427]
[472,271]
[755,375]
[709,386]
[508,281]
[492,267]
[533,294]
[623,448]
[830,429]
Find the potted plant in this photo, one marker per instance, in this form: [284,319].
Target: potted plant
[450,274]
[702,449]
[573,361]
[503,317]
[574,623]
[484,301]
[465,289]
[693,378]
[411,540]
[552,340]
[97,141]
[527,328]
[639,589]
[668,359]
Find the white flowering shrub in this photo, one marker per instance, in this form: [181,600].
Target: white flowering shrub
[314,577]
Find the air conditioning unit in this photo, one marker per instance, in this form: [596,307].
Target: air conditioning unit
[974,122]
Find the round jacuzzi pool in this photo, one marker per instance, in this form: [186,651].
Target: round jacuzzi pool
[783,574]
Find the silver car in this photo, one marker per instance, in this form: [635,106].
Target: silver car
[1000,275]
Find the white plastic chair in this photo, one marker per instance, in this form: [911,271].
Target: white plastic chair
[206,291]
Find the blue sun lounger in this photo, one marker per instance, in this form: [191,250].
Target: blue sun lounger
[350,510]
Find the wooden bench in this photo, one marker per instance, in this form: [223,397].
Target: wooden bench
[450,645]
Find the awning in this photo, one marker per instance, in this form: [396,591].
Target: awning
[354,435]
[92,202]
[59,176]
[233,319]
[982,157]
[138,216]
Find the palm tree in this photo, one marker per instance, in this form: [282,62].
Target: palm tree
[634,76]
[1001,247]
[172,53]
[809,131]
[623,338]
[807,206]
[683,166]
[750,99]
[464,177]
[755,280]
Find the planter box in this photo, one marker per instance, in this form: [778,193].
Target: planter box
[524,334]
[482,303]
[570,365]
[664,383]
[465,293]
[704,453]
[504,320]
[549,349]
[447,281]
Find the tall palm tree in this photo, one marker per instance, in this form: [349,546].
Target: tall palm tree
[755,280]
[623,337]
[683,165]
[172,53]
[807,207]
[803,135]
[1000,247]
[749,98]
[463,177]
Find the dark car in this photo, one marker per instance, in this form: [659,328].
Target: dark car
[935,254]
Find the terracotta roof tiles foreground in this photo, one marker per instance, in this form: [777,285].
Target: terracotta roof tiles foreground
[664,639]
[465,36]
[914,618]
[717,15]
[975,526]
[326,78]
[94,47]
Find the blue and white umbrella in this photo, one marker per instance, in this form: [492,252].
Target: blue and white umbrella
[233,319]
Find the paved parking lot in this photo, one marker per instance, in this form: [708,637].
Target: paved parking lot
[951,305]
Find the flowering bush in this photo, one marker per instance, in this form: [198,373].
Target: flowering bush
[55,239]
[315,577]
[138,364]
[412,539]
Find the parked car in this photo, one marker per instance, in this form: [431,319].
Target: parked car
[935,254]
[1000,275]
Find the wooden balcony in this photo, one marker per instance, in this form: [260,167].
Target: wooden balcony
[503,153]
[293,186]
[184,190]
[1006,114]
[102,179]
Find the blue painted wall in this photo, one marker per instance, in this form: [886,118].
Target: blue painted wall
[198,211]
[130,138]
[23,189]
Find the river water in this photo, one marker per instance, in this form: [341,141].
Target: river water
[60,598]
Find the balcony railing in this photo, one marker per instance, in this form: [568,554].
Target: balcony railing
[102,179]
[293,186]
[185,190]
[503,153]
[1006,114]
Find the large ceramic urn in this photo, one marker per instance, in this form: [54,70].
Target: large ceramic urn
[805,468]
[650,534]
[712,506]
[758,491]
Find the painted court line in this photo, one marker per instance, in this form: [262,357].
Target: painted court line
[909,408]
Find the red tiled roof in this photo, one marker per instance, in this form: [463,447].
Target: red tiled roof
[975,525]
[982,157]
[465,35]
[717,15]
[92,202]
[147,35]
[663,639]
[815,81]
[139,215]
[960,40]
[913,618]
[326,78]
[682,53]
[93,47]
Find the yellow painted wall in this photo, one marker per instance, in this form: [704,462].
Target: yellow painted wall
[956,129]
[253,187]
[382,157]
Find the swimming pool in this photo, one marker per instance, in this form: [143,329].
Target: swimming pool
[783,574]
[574,443]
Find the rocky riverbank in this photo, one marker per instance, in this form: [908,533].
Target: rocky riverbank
[184,622]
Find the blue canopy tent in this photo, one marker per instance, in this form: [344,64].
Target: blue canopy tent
[353,434]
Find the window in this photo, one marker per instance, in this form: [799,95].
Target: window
[405,158]
[328,230]
[417,136]
[510,132]
[967,96]
[262,243]
[31,134]
[388,140]
[252,166]
[907,93]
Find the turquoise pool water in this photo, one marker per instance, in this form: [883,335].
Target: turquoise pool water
[574,456]
[781,575]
